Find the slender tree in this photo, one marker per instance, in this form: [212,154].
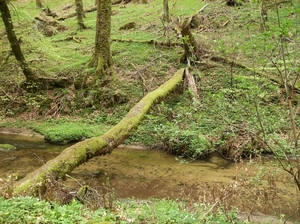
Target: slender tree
[166,11]
[79,14]
[38,4]
[102,55]
[263,13]
[14,41]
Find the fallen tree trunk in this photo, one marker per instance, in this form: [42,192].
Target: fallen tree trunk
[75,155]
[73,14]
[296,87]
[154,42]
[90,9]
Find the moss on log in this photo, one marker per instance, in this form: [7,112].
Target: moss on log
[75,155]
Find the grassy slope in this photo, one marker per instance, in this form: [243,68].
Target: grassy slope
[229,96]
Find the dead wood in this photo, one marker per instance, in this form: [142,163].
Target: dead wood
[48,25]
[77,154]
[48,12]
[51,83]
[70,38]
[47,83]
[115,2]
[254,71]
[128,26]
[194,50]
[190,83]
[73,14]
[154,42]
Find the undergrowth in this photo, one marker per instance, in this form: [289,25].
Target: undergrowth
[231,96]
[243,109]
[32,210]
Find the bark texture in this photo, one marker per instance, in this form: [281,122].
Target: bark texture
[189,82]
[153,42]
[190,45]
[73,14]
[193,50]
[14,42]
[166,11]
[75,155]
[38,4]
[102,55]
[79,14]
[264,13]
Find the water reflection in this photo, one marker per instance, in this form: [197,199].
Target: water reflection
[30,153]
[143,174]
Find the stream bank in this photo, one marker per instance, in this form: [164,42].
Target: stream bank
[256,186]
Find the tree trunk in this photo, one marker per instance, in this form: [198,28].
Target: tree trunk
[102,56]
[80,14]
[264,14]
[75,155]
[189,81]
[190,44]
[14,42]
[193,50]
[38,4]
[166,11]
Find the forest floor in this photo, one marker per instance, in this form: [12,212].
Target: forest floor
[242,100]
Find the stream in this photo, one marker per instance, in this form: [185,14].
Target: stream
[254,187]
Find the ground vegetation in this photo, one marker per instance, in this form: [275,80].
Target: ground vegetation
[243,58]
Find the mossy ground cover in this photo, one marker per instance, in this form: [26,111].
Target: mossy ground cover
[237,107]
[229,95]
[140,67]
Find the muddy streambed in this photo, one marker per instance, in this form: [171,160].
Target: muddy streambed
[141,174]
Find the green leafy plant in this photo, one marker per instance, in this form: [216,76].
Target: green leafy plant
[32,210]
[64,131]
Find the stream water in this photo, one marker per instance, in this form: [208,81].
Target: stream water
[253,187]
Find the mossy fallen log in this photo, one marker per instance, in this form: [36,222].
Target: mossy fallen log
[77,154]
[154,42]
[73,14]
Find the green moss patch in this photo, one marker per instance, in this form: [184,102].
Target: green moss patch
[7,147]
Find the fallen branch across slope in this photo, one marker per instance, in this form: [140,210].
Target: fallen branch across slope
[272,78]
[154,42]
[77,154]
